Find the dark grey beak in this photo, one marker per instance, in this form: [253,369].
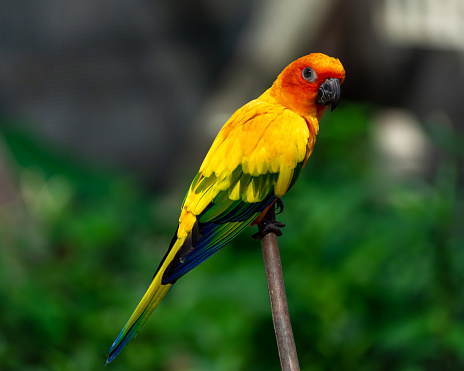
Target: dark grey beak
[329,93]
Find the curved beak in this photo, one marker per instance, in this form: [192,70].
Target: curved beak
[329,93]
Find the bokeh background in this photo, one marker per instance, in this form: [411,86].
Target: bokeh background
[106,111]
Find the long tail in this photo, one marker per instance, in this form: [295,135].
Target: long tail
[155,293]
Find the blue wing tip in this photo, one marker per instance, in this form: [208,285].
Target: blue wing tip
[117,346]
[113,352]
[110,358]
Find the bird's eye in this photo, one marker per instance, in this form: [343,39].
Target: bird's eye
[309,74]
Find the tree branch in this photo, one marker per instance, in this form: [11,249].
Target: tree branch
[280,316]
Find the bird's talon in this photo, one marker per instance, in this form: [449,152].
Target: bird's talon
[279,206]
[267,226]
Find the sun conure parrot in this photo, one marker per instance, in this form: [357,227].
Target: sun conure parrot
[255,159]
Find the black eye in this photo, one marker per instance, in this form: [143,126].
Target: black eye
[309,74]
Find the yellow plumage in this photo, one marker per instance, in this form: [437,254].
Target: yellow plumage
[256,157]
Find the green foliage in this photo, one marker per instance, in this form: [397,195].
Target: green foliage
[372,264]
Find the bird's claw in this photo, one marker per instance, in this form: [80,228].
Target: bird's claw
[267,226]
[279,206]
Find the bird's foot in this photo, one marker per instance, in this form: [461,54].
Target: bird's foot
[269,224]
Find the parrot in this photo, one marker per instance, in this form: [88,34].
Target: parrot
[255,159]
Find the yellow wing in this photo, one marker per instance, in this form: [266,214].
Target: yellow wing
[261,146]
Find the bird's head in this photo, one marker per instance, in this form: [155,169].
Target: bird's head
[309,84]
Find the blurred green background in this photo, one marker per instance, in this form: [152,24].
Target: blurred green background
[95,158]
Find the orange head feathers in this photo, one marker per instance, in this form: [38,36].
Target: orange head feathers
[309,84]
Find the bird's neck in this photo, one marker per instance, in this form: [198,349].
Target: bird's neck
[311,117]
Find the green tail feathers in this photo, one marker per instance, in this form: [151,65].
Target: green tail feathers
[155,293]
